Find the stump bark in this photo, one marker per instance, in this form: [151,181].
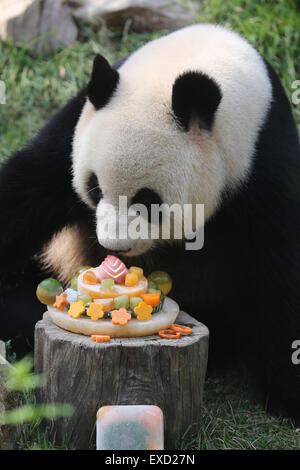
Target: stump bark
[126,371]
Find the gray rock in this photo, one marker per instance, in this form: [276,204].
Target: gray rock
[20,20]
[43,25]
[146,15]
[57,27]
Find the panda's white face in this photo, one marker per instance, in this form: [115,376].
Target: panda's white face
[135,142]
[131,154]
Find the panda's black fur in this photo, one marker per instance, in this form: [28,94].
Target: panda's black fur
[243,284]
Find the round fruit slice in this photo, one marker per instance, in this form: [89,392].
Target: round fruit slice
[96,291]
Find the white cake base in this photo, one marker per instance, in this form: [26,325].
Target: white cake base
[85,326]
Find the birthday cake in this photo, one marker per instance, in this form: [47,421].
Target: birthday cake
[111,300]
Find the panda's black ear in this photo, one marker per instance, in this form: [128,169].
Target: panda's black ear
[103,82]
[195,96]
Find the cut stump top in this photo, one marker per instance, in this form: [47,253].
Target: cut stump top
[56,333]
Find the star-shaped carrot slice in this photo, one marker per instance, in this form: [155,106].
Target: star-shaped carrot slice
[143,311]
[101,338]
[120,317]
[95,311]
[61,301]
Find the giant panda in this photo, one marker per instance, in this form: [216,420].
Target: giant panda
[196,116]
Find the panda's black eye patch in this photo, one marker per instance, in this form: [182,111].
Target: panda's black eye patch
[147,197]
[93,189]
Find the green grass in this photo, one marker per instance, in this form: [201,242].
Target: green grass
[233,418]
[33,435]
[36,86]
[272,26]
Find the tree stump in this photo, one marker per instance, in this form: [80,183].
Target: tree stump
[126,371]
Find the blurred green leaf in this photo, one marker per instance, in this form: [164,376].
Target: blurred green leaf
[30,413]
[21,378]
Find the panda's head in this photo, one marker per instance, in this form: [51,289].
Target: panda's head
[166,129]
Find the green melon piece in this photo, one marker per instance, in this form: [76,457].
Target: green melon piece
[108,283]
[86,298]
[121,302]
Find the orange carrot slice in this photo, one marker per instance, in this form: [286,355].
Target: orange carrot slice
[181,328]
[61,301]
[120,317]
[152,298]
[100,338]
[169,334]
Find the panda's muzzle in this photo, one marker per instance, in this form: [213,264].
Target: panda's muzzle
[118,230]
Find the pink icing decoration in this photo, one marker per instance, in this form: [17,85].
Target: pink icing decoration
[112,268]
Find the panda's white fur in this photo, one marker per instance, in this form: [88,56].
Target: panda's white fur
[134,141]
